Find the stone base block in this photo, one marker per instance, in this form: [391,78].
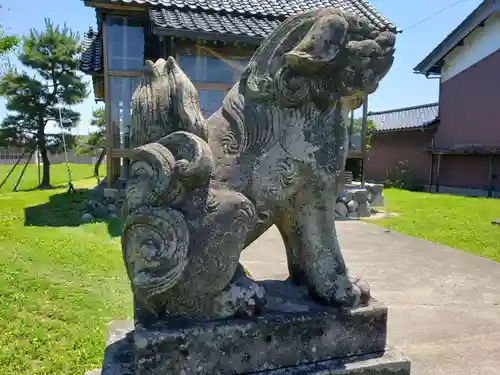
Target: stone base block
[119,360]
[389,362]
[294,335]
[293,330]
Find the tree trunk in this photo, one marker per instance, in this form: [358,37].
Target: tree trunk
[45,184]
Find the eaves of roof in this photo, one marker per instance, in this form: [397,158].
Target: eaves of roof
[408,118]
[269,9]
[433,62]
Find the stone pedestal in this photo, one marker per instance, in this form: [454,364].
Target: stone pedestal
[293,337]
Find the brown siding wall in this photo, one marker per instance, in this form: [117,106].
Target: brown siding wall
[470,106]
[468,171]
[389,150]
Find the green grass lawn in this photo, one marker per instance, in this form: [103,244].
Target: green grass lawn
[59,175]
[61,283]
[460,222]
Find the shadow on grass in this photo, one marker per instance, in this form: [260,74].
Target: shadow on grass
[66,210]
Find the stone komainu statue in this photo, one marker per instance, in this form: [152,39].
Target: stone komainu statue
[200,191]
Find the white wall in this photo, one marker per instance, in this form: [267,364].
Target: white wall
[481,43]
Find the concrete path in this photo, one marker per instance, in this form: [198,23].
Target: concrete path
[444,304]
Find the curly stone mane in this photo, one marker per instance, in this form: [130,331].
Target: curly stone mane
[308,65]
[292,65]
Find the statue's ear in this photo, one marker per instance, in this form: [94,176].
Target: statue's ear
[320,46]
[186,108]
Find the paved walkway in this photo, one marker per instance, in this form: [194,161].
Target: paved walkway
[444,304]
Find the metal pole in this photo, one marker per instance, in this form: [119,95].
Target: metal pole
[24,170]
[12,170]
[364,132]
[71,188]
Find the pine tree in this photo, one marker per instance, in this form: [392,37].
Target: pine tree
[35,99]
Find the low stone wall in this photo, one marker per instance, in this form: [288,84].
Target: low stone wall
[356,202]
[105,202]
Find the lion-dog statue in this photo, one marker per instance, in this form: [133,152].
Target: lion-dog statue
[200,191]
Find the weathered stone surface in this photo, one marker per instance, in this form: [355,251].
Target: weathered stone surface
[119,356]
[364,209]
[93,372]
[347,196]
[360,195]
[97,209]
[291,330]
[341,209]
[352,206]
[111,193]
[387,362]
[377,200]
[87,217]
[200,191]
[271,156]
[375,188]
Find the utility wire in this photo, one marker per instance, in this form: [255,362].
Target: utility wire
[433,15]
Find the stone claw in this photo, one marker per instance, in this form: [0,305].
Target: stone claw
[346,291]
[351,291]
[242,298]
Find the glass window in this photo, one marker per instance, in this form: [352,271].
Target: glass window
[125,44]
[121,91]
[210,101]
[211,69]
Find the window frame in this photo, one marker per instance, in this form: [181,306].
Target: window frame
[135,23]
[201,51]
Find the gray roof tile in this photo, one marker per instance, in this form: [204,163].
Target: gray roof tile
[405,118]
[246,18]
[279,9]
[91,56]
[212,22]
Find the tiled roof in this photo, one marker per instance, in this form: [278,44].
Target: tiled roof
[254,19]
[212,22]
[91,57]
[405,118]
[277,9]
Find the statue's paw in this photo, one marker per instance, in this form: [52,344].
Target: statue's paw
[242,298]
[347,291]
[351,291]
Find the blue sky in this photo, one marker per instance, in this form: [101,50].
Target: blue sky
[400,88]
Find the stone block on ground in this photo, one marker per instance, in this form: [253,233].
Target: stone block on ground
[377,200]
[352,206]
[375,188]
[86,217]
[97,209]
[347,196]
[341,209]
[111,193]
[360,195]
[364,209]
